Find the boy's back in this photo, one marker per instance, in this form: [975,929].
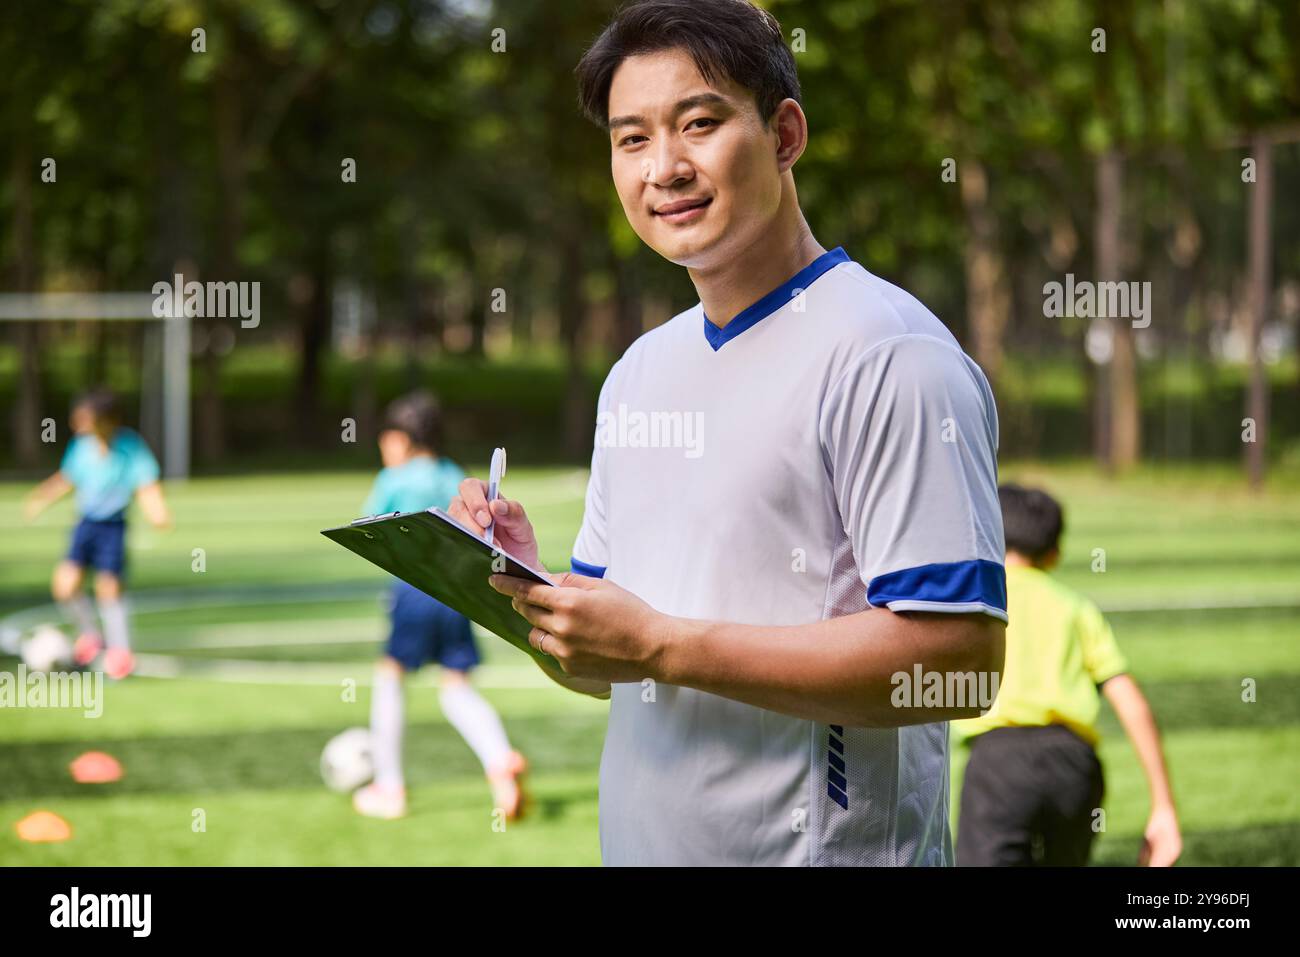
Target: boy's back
[1059,650]
[1033,785]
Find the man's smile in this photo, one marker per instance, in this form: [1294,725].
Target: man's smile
[683,210]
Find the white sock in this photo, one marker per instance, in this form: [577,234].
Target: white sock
[116,633]
[387,704]
[477,722]
[81,613]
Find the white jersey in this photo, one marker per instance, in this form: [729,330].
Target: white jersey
[828,450]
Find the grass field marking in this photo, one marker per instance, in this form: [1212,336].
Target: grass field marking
[1220,604]
[236,671]
[283,633]
[253,634]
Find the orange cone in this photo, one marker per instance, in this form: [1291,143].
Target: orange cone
[43,827]
[96,767]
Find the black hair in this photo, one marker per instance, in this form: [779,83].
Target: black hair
[1031,519]
[419,415]
[102,404]
[731,39]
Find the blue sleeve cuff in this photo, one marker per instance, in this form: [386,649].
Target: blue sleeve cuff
[582,568]
[973,586]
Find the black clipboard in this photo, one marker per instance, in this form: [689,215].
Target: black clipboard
[433,552]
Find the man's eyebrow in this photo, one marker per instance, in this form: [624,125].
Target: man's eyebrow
[699,99]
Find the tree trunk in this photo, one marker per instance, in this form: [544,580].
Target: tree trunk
[578,419]
[27,408]
[629,314]
[1259,239]
[987,296]
[1118,394]
[230,174]
[313,329]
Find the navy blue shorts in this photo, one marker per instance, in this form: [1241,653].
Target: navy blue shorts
[424,629]
[100,544]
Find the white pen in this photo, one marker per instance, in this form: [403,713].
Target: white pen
[496,472]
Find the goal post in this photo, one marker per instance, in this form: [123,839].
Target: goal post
[130,306]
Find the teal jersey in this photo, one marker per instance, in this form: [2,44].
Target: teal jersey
[105,479]
[413,486]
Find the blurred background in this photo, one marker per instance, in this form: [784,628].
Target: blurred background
[969,151]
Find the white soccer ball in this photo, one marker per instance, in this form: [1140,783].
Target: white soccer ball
[346,763]
[48,649]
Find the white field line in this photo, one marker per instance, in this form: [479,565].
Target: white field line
[492,677]
[564,489]
[346,631]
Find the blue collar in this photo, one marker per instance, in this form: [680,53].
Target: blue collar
[774,300]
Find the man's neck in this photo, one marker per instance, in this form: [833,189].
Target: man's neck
[778,254]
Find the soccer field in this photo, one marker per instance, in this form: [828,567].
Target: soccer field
[244,666]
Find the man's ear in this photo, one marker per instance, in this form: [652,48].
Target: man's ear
[791,128]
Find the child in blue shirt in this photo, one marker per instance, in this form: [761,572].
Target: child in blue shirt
[415,477]
[108,465]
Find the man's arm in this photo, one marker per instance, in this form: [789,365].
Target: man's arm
[1162,840]
[842,670]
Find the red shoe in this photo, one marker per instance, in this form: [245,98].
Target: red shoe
[87,648]
[118,663]
[508,787]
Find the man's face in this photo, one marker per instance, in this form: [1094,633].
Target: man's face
[694,165]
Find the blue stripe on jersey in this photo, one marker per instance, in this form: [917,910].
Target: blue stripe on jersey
[774,300]
[974,582]
[582,568]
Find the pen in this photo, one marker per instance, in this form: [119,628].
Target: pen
[495,473]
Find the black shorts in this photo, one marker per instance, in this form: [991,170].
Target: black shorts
[1029,797]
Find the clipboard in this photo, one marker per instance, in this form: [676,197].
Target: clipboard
[435,553]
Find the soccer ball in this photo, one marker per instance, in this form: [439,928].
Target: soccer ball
[346,762]
[48,649]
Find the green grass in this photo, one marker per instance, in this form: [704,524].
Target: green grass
[304,616]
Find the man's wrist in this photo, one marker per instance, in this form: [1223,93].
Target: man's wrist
[674,641]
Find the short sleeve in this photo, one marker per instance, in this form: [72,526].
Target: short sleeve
[591,547]
[1101,655]
[144,466]
[909,438]
[70,465]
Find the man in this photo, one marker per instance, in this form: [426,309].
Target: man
[747,596]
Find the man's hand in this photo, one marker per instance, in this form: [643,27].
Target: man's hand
[512,532]
[592,627]
[1162,842]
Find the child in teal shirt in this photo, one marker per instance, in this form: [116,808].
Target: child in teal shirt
[108,465]
[414,478]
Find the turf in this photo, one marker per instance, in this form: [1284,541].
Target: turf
[264,644]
